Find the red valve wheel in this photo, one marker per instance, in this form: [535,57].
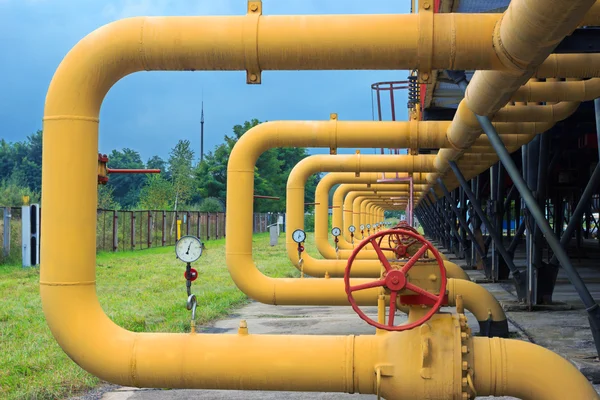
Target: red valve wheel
[193,275]
[400,243]
[395,281]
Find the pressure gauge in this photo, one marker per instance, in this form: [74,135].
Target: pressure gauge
[299,236]
[336,231]
[188,249]
[368,226]
[362,227]
[351,228]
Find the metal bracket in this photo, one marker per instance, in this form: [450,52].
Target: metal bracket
[333,117]
[425,42]
[250,39]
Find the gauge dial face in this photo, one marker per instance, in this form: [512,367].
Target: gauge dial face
[336,231]
[299,236]
[362,227]
[188,249]
[368,226]
[351,228]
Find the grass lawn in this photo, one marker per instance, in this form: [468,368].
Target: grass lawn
[143,291]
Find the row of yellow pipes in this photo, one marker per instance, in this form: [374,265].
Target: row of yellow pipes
[397,365]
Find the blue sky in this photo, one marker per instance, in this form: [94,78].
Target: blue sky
[150,111]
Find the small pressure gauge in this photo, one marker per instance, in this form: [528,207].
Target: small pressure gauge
[368,226]
[188,249]
[299,236]
[362,227]
[351,228]
[336,231]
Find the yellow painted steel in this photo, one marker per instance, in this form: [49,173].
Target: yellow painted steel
[395,365]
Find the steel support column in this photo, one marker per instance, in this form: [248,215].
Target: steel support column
[445,216]
[517,275]
[461,220]
[591,306]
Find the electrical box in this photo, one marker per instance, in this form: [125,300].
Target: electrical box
[30,235]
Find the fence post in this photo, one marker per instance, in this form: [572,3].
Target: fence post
[164,228]
[216,225]
[132,230]
[187,222]
[224,224]
[115,230]
[198,227]
[7,216]
[207,226]
[149,228]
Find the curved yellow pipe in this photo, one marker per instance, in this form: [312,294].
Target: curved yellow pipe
[482,304]
[526,371]
[67,276]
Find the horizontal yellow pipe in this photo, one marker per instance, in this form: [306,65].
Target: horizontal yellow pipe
[581,90]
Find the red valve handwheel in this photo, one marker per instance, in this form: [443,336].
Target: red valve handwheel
[193,275]
[400,243]
[395,281]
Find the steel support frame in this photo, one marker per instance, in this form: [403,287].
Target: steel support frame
[442,222]
[461,219]
[448,222]
[536,213]
[508,258]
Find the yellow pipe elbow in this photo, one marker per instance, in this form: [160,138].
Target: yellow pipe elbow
[504,367]
[485,307]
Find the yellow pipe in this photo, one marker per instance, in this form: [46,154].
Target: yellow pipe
[526,371]
[569,66]
[67,276]
[578,91]
[523,39]
[481,303]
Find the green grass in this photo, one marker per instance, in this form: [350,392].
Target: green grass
[142,291]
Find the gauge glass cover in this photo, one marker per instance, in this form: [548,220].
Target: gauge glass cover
[351,228]
[188,249]
[336,231]
[299,236]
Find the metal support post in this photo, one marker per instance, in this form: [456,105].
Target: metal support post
[441,221]
[583,204]
[452,227]
[461,220]
[517,275]
[559,252]
[591,306]
[430,229]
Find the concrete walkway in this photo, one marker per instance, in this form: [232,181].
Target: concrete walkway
[565,332]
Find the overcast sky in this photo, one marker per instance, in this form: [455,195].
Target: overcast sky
[150,111]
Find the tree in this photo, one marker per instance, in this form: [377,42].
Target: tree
[211,204]
[12,191]
[157,194]
[126,187]
[24,158]
[106,200]
[271,173]
[180,166]
[155,162]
